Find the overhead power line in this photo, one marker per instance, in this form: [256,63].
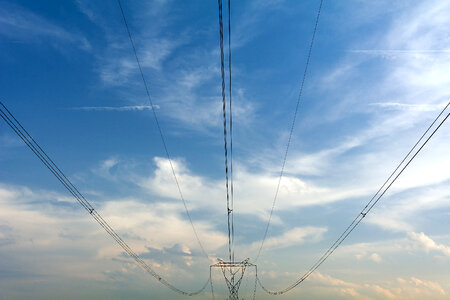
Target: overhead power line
[369,206]
[160,130]
[308,58]
[231,133]
[17,127]
[222,71]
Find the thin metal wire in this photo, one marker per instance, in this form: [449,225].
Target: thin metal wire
[222,70]
[160,130]
[360,216]
[292,130]
[231,133]
[31,143]
[362,212]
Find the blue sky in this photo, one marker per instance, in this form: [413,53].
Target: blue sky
[378,77]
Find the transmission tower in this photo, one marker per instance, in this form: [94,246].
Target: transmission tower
[233,273]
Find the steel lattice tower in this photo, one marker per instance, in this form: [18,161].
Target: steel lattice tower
[233,272]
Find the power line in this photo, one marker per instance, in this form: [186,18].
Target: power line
[222,71]
[160,130]
[31,143]
[231,132]
[292,129]
[369,206]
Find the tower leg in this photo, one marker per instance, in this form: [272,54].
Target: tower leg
[233,273]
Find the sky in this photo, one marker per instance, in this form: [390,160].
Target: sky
[377,78]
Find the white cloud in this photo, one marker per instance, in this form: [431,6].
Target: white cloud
[255,190]
[186,86]
[417,87]
[401,211]
[428,284]
[105,168]
[193,187]
[425,31]
[160,225]
[381,291]
[426,243]
[295,236]
[369,252]
[119,66]
[398,288]
[69,244]
[327,280]
[412,288]
[415,74]
[376,257]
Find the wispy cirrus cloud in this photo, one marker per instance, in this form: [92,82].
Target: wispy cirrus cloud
[186,86]
[117,108]
[7,141]
[397,53]
[406,106]
[417,79]
[292,237]
[117,67]
[22,24]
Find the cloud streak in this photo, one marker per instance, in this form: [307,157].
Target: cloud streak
[405,106]
[295,236]
[118,108]
[19,23]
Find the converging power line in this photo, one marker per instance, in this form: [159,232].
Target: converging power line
[160,131]
[369,206]
[17,127]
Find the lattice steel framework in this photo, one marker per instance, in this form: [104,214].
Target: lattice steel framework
[233,272]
